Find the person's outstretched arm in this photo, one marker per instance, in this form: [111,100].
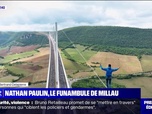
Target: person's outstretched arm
[102,68]
[115,69]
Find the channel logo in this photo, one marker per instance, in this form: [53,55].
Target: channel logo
[2,7]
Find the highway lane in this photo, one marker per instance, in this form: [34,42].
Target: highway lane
[62,75]
[51,83]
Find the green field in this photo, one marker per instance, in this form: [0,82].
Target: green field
[8,78]
[13,57]
[39,85]
[76,55]
[17,70]
[70,65]
[146,62]
[2,48]
[73,67]
[139,82]
[1,67]
[78,66]
[94,82]
[136,82]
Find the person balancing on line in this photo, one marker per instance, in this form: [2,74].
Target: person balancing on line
[109,71]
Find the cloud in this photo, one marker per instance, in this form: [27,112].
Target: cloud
[41,15]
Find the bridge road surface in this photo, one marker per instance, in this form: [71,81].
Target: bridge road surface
[62,75]
[62,80]
[52,70]
[52,73]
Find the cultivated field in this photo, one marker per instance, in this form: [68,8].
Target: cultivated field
[139,82]
[17,70]
[13,57]
[146,62]
[76,55]
[38,85]
[70,65]
[4,51]
[16,49]
[77,68]
[38,65]
[127,64]
[8,78]
[31,65]
[19,49]
[42,52]
[73,67]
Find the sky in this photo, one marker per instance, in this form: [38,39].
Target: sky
[42,15]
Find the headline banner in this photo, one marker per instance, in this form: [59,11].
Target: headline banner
[69,93]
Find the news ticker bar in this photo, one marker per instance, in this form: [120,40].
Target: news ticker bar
[70,93]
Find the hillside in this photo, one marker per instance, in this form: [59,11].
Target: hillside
[22,39]
[122,40]
[109,36]
[24,57]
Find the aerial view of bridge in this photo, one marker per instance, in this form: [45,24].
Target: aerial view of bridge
[56,72]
